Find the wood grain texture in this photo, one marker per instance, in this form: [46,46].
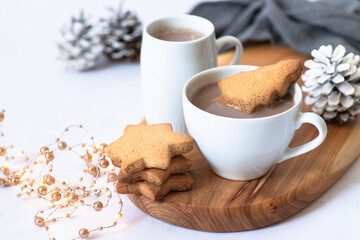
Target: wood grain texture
[219,205]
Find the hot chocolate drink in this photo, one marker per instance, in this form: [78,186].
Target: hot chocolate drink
[176,34]
[206,99]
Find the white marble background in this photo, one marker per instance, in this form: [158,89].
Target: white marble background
[41,99]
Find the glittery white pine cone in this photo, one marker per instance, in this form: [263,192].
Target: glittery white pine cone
[332,83]
[80,47]
[121,35]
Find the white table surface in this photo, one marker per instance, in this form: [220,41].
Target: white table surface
[41,99]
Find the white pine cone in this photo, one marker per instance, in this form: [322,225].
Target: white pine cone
[332,83]
[80,47]
[121,35]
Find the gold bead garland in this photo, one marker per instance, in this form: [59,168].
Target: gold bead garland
[59,194]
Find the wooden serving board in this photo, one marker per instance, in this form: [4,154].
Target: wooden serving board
[219,205]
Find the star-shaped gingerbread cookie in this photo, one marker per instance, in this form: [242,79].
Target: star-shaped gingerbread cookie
[147,146]
[178,182]
[179,164]
[252,90]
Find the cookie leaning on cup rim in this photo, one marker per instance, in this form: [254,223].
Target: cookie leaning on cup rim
[252,90]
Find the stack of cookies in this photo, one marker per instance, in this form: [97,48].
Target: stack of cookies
[151,161]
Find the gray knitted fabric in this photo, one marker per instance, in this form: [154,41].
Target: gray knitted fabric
[299,24]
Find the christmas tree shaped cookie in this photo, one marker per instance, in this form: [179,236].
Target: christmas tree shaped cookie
[252,90]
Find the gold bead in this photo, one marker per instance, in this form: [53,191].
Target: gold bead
[102,147]
[83,233]
[44,150]
[49,156]
[7,183]
[62,145]
[5,169]
[2,181]
[104,163]
[42,190]
[2,116]
[2,151]
[15,180]
[88,157]
[39,221]
[93,170]
[56,196]
[66,194]
[98,206]
[74,197]
[48,179]
[112,177]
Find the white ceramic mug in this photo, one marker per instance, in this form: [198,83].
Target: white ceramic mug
[244,149]
[167,65]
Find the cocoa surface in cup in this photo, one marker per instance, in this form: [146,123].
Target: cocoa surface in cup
[206,99]
[177,34]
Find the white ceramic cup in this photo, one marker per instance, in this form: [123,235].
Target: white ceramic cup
[167,65]
[244,149]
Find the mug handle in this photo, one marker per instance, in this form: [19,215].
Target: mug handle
[231,40]
[315,120]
